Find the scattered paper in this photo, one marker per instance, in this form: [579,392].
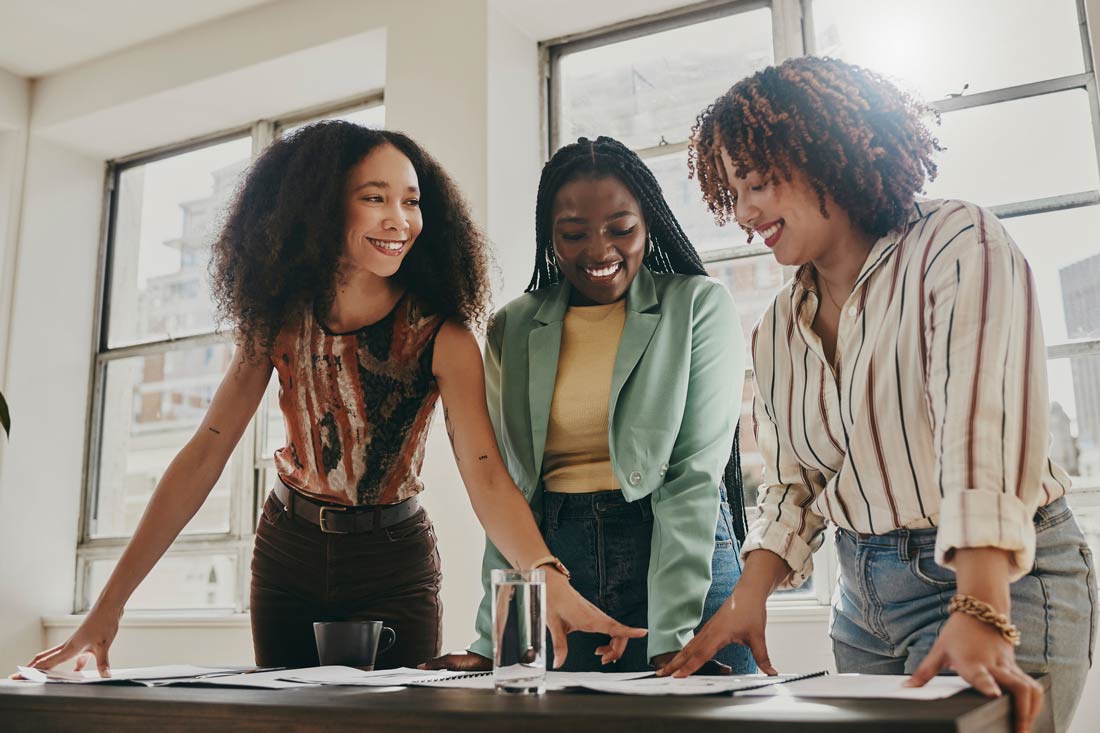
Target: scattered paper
[566,680]
[700,685]
[621,683]
[460,680]
[269,680]
[7,682]
[337,675]
[880,686]
[137,674]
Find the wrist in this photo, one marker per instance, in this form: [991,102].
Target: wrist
[984,613]
[749,595]
[108,606]
[983,573]
[551,564]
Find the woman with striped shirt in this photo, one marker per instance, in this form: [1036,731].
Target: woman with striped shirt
[900,395]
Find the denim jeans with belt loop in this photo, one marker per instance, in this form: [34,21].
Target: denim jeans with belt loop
[891,604]
[605,542]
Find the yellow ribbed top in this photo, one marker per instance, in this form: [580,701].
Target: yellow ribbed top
[577,458]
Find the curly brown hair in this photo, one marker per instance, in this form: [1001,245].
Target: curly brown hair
[279,251]
[849,130]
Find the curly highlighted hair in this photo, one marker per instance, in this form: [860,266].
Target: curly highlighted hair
[852,133]
[280,248]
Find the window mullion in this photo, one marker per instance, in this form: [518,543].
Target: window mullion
[1046,205]
[1009,94]
[787,39]
[165,346]
[1074,348]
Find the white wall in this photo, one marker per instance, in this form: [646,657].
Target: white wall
[459,75]
[15,99]
[47,389]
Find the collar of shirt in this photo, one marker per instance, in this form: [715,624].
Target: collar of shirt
[879,255]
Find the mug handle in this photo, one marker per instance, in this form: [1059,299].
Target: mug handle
[383,643]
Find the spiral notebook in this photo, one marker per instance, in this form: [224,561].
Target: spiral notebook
[620,683]
[625,683]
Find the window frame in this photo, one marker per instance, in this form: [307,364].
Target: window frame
[246,490]
[793,35]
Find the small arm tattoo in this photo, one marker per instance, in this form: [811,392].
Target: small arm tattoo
[450,432]
[483,458]
[215,431]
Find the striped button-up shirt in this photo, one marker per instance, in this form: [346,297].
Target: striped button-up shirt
[936,412]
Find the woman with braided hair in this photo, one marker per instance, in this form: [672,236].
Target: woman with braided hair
[614,387]
[900,395]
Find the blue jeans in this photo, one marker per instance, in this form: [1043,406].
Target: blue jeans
[892,602]
[605,540]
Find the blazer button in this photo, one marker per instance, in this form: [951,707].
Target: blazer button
[635,478]
[663,470]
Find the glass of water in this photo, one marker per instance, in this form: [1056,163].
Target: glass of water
[519,631]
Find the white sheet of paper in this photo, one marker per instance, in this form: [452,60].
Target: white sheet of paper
[566,680]
[554,680]
[882,686]
[623,683]
[337,675]
[273,680]
[135,674]
[708,685]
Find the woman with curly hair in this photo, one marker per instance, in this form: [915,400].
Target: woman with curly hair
[614,388]
[349,265]
[900,395]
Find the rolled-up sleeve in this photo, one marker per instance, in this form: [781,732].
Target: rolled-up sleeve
[986,392]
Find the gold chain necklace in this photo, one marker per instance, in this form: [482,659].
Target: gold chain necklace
[829,292]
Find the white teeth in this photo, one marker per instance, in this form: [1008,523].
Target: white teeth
[603,271]
[770,231]
[388,246]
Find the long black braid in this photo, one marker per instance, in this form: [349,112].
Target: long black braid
[669,249]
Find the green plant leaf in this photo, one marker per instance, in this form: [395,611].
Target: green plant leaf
[5,417]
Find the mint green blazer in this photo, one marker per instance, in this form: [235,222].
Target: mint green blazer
[675,401]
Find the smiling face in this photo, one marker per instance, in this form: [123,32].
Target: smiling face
[381,211]
[787,214]
[599,236]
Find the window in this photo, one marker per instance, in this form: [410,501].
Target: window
[1019,122]
[1020,126]
[159,362]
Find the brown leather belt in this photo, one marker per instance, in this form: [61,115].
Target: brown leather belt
[340,519]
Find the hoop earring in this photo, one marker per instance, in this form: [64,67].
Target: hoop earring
[648,246]
[749,231]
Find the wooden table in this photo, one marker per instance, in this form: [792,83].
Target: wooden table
[56,707]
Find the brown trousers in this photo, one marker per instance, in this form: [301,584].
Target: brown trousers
[301,575]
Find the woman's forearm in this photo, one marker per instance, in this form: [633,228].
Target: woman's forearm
[762,574]
[983,572]
[507,519]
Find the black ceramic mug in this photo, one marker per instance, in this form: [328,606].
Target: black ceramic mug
[352,643]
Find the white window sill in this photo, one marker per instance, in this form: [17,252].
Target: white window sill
[159,620]
[778,613]
[788,612]
[797,612]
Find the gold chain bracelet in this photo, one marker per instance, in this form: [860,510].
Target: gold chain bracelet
[985,613]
